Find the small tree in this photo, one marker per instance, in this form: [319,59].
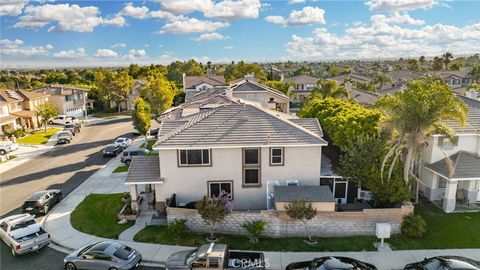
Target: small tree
[413,226]
[44,112]
[302,211]
[255,229]
[178,228]
[141,117]
[213,210]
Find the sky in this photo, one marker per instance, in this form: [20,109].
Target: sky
[46,33]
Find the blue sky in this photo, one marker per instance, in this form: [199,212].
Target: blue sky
[75,33]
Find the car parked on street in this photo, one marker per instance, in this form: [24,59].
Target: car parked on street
[154,132]
[7,147]
[129,153]
[64,137]
[445,263]
[135,132]
[112,150]
[330,263]
[74,128]
[123,142]
[42,201]
[103,256]
[61,120]
[23,234]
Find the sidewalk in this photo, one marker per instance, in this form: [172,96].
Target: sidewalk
[57,223]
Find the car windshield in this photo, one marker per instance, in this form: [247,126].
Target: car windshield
[36,196]
[85,249]
[110,148]
[63,134]
[123,252]
[120,140]
[23,224]
[191,257]
[69,126]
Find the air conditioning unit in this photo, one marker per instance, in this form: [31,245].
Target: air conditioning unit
[364,195]
[292,183]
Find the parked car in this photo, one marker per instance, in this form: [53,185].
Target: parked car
[154,132]
[445,263]
[112,150]
[74,128]
[42,201]
[23,234]
[7,147]
[215,256]
[103,256]
[135,132]
[129,153]
[330,263]
[64,137]
[61,120]
[123,142]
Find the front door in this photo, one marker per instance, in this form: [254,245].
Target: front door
[270,198]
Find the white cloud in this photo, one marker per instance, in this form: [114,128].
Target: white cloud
[185,6]
[229,47]
[291,2]
[396,18]
[80,52]
[15,48]
[227,9]
[106,53]
[308,15]
[191,25]
[135,12]
[118,45]
[12,7]
[65,17]
[400,5]
[211,36]
[136,54]
[386,41]
[165,15]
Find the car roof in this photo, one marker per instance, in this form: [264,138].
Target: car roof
[37,195]
[111,145]
[100,246]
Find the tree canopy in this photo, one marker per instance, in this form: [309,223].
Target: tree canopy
[239,70]
[46,111]
[159,93]
[141,116]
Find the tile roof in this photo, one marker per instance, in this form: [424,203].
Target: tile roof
[250,86]
[24,114]
[473,117]
[465,165]
[192,81]
[7,119]
[306,193]
[252,79]
[311,124]
[10,96]
[33,95]
[362,96]
[234,125]
[302,79]
[144,169]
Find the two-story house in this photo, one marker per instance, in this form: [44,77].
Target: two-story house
[302,86]
[241,149]
[450,174]
[70,100]
[266,96]
[193,85]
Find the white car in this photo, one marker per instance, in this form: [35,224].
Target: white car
[7,147]
[123,142]
[61,120]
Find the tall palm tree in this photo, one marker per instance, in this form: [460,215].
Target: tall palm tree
[447,58]
[329,88]
[414,114]
[381,79]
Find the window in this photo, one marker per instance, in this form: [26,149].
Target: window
[251,167]
[197,157]
[442,182]
[249,96]
[16,106]
[3,110]
[68,98]
[215,187]
[276,156]
[4,226]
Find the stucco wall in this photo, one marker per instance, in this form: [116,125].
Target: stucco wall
[262,98]
[279,224]
[190,183]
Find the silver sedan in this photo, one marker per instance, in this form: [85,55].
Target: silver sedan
[103,255]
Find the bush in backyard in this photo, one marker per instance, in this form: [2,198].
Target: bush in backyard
[178,228]
[413,226]
[255,229]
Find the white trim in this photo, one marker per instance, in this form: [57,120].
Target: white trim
[453,179]
[142,183]
[237,146]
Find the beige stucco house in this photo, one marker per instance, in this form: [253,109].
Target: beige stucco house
[70,100]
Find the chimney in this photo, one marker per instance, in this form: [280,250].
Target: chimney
[229,92]
[272,104]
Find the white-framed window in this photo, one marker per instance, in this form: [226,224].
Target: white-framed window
[216,187]
[68,98]
[442,182]
[249,96]
[194,157]
[16,106]
[277,156]
[251,167]
[3,110]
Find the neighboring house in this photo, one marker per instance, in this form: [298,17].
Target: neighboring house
[70,100]
[302,86]
[242,149]
[193,85]
[458,80]
[267,97]
[450,175]
[129,102]
[17,109]
[361,96]
[401,78]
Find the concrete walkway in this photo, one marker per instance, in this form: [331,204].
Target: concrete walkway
[65,237]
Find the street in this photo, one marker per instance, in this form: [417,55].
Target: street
[64,167]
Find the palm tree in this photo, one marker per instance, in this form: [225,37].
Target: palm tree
[421,60]
[447,58]
[381,79]
[329,88]
[414,114]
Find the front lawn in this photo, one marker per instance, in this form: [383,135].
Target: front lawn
[39,137]
[454,230]
[120,169]
[97,215]
[158,234]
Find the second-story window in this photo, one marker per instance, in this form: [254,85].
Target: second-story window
[16,106]
[68,98]
[194,157]
[251,167]
[276,156]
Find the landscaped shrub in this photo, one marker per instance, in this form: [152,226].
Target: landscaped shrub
[213,210]
[255,229]
[302,211]
[413,226]
[17,133]
[178,228]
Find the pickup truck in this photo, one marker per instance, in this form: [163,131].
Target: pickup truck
[215,256]
[22,234]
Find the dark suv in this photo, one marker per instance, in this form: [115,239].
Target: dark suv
[42,201]
[128,154]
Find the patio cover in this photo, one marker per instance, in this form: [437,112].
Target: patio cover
[143,170]
[465,166]
[306,193]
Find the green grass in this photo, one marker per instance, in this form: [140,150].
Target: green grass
[454,230]
[39,137]
[150,144]
[158,234]
[120,169]
[10,157]
[97,215]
